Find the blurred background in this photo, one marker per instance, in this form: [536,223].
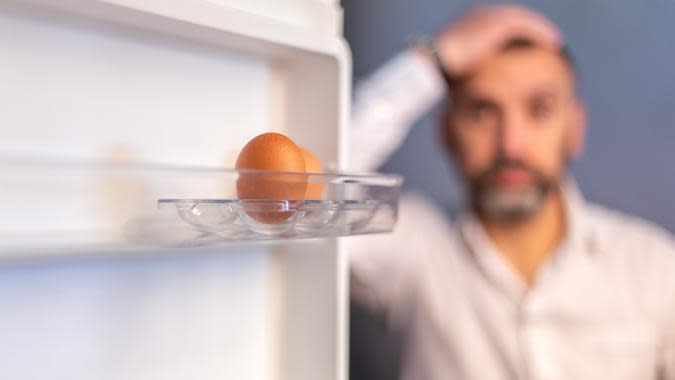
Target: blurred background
[625,52]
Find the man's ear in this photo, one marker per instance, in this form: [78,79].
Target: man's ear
[576,136]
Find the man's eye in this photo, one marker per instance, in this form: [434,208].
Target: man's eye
[541,110]
[481,113]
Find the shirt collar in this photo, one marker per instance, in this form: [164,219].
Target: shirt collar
[581,235]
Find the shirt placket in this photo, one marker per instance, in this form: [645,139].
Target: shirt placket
[538,334]
[536,339]
[535,332]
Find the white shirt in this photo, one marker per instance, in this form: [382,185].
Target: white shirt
[603,307]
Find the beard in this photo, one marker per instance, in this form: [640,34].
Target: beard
[510,203]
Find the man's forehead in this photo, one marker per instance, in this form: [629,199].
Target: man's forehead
[520,71]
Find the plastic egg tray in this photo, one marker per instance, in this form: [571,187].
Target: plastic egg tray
[234,219]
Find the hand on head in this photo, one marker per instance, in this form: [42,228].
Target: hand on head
[482,31]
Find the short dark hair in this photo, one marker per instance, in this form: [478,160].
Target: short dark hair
[521,43]
[526,43]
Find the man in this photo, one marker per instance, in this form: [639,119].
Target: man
[531,281]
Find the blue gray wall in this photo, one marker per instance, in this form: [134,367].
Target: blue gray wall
[626,53]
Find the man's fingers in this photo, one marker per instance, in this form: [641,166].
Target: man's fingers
[535,33]
[483,30]
[518,21]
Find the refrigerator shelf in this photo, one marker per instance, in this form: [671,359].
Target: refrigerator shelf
[87,206]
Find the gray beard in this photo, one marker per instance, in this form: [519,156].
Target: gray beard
[511,205]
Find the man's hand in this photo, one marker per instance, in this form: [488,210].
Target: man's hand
[479,33]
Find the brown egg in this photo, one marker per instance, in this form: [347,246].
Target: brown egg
[312,165]
[274,152]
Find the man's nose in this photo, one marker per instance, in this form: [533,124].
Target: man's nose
[511,136]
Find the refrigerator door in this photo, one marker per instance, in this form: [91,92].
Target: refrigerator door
[150,85]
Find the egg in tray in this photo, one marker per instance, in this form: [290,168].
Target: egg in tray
[282,192]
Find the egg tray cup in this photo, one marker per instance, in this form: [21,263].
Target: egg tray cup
[231,219]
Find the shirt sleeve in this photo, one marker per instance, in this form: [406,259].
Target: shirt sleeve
[385,268]
[387,104]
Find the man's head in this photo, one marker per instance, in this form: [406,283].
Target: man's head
[513,124]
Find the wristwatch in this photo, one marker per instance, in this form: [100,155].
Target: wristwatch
[425,44]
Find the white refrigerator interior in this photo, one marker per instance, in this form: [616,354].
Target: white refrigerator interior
[172,83]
